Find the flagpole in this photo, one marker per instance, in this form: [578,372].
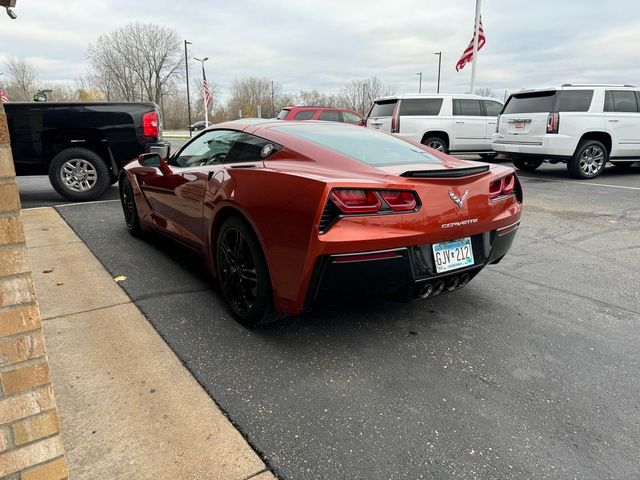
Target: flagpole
[475,46]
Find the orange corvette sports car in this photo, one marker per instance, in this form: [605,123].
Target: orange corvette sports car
[282,211]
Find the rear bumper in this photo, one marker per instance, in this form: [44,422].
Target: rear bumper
[161,147]
[410,270]
[547,146]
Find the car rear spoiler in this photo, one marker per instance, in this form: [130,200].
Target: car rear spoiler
[447,173]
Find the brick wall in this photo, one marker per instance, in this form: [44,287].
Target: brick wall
[30,443]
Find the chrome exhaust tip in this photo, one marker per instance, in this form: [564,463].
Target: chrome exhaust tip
[438,289]
[425,290]
[466,278]
[453,283]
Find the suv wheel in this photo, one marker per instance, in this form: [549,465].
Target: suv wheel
[526,164]
[79,174]
[589,160]
[436,143]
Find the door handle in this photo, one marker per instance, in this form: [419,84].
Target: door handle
[459,121]
[375,123]
[613,121]
[492,123]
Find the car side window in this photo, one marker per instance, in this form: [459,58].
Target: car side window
[620,101]
[305,115]
[249,148]
[210,148]
[351,118]
[492,108]
[330,116]
[467,107]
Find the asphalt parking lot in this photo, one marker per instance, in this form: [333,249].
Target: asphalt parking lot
[531,371]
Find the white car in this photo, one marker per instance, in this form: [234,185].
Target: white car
[582,125]
[447,122]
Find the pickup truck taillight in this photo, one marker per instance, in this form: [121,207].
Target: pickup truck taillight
[553,122]
[150,124]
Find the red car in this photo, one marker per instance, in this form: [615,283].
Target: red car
[328,114]
[281,211]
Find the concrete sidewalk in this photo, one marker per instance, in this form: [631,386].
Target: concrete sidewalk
[128,407]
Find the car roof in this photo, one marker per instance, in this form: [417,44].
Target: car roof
[312,107]
[576,86]
[432,95]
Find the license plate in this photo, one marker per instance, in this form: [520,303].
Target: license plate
[452,255]
[519,125]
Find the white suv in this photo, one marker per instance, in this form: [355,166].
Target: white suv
[449,123]
[582,125]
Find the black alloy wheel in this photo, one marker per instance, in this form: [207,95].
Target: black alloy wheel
[129,208]
[527,164]
[243,274]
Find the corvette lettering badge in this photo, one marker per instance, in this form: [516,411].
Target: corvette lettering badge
[459,200]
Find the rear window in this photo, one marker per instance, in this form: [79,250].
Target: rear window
[420,106]
[305,115]
[374,148]
[550,101]
[383,108]
[283,114]
[534,102]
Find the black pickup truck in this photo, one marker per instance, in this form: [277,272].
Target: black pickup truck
[82,146]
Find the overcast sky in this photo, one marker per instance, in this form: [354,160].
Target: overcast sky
[306,44]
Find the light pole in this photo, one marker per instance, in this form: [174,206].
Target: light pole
[439,65]
[420,84]
[186,66]
[204,79]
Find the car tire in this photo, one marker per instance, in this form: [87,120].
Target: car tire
[437,143]
[526,164]
[79,174]
[243,274]
[129,208]
[488,156]
[589,160]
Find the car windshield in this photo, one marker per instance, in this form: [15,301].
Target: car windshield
[374,148]
[283,114]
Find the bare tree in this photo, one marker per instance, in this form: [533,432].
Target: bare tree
[23,79]
[358,95]
[484,92]
[316,99]
[136,62]
[249,93]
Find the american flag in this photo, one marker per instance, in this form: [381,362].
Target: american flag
[207,92]
[3,96]
[467,55]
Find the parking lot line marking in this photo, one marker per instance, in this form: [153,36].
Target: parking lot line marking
[578,182]
[71,204]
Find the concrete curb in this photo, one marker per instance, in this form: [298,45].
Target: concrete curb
[128,407]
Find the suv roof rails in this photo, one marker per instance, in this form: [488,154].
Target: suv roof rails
[596,85]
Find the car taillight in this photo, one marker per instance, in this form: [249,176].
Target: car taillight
[553,122]
[502,187]
[399,201]
[150,124]
[356,201]
[395,120]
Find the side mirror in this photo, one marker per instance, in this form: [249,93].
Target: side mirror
[149,159]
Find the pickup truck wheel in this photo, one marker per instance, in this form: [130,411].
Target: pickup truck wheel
[527,164]
[436,143]
[79,174]
[589,160]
